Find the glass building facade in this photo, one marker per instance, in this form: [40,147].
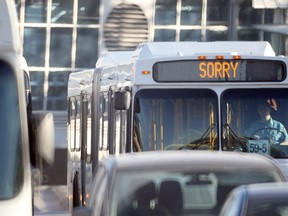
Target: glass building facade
[63,36]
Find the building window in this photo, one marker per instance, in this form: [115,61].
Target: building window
[165,12]
[35,11]
[88,12]
[34,46]
[191,12]
[186,20]
[62,11]
[59,37]
[60,47]
[87,48]
[37,87]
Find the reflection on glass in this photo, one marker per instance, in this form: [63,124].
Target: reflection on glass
[245,34]
[175,119]
[87,48]
[191,11]
[60,47]
[165,13]
[216,35]
[217,12]
[37,89]
[62,11]
[190,35]
[88,11]
[57,92]
[165,35]
[35,11]
[34,46]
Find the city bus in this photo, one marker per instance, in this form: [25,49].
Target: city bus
[26,136]
[174,96]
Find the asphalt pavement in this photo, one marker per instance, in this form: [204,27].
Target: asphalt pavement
[51,200]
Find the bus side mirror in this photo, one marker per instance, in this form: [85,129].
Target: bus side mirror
[122,100]
[42,137]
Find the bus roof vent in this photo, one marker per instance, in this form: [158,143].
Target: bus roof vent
[125,27]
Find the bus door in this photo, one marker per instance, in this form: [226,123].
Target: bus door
[85,143]
[71,123]
[111,122]
[103,125]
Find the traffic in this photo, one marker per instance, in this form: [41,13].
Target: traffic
[170,128]
[173,182]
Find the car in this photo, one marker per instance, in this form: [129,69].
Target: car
[260,199]
[173,182]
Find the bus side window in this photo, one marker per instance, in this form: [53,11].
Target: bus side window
[78,124]
[89,125]
[120,130]
[71,123]
[103,133]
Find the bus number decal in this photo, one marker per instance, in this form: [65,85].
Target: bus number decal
[259,146]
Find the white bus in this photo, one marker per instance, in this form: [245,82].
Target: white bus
[173,95]
[23,132]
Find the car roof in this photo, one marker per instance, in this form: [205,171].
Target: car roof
[267,189]
[210,160]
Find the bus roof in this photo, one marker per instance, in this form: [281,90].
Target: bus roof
[158,49]
[150,50]
[121,67]
[113,58]
[80,82]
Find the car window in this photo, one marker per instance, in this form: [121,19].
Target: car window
[194,192]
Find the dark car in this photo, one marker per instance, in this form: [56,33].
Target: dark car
[173,182]
[261,199]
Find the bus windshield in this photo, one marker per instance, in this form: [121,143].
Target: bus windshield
[169,119]
[256,121]
[11,167]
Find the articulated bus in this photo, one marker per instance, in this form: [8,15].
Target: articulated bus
[26,136]
[175,95]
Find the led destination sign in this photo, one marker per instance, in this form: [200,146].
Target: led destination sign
[219,71]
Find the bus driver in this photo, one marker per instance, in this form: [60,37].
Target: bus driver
[266,127]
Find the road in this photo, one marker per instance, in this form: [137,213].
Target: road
[51,200]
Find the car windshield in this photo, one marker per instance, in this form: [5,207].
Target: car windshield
[191,193]
[11,167]
[256,121]
[168,119]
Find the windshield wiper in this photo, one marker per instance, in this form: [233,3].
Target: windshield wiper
[208,138]
[229,133]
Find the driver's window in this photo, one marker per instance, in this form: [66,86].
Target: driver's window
[255,121]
